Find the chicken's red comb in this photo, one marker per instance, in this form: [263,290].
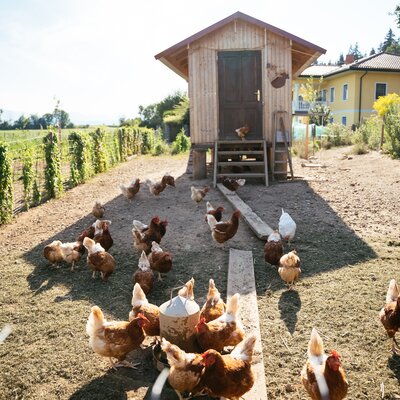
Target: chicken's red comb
[165,222]
[205,354]
[141,316]
[334,354]
[201,322]
[156,219]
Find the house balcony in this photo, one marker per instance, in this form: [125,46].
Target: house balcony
[301,107]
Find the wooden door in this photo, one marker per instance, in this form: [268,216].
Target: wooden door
[240,96]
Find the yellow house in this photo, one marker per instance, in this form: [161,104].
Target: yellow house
[350,90]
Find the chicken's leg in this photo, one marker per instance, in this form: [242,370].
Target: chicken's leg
[159,278]
[394,348]
[72,266]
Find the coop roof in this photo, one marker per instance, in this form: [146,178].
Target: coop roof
[303,52]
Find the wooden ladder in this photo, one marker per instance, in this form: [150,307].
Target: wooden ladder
[240,159]
[280,147]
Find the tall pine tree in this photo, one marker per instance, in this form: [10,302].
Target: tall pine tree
[388,41]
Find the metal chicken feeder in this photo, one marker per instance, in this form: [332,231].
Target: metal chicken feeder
[178,318]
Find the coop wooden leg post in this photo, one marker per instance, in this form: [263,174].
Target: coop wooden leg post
[199,164]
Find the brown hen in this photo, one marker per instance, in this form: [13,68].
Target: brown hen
[140,304]
[229,376]
[323,376]
[115,338]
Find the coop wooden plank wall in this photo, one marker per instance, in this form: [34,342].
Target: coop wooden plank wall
[203,73]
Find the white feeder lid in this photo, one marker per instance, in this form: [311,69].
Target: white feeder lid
[179,307]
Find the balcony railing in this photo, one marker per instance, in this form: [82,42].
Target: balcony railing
[301,106]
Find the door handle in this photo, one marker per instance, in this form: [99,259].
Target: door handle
[258,94]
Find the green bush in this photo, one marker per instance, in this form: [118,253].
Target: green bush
[130,139]
[52,173]
[181,144]
[336,135]
[28,177]
[81,157]
[369,133]
[392,131]
[149,140]
[6,186]
[99,157]
[161,147]
[36,195]
[359,148]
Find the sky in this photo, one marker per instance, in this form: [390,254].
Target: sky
[97,56]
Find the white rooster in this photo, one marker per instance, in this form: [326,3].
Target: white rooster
[287,226]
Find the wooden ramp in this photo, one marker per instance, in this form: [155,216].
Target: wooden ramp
[258,226]
[241,280]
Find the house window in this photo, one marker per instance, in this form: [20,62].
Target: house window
[380,90]
[344,121]
[332,95]
[322,95]
[331,120]
[345,91]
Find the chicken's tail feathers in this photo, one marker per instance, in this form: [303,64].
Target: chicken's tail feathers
[244,350]
[283,211]
[315,345]
[138,296]
[187,290]
[95,320]
[211,221]
[393,291]
[124,189]
[241,182]
[174,354]
[209,206]
[155,247]
[232,306]
[140,226]
[144,263]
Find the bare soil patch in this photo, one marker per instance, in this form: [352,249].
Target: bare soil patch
[347,239]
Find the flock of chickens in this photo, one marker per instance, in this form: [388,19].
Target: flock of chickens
[215,371]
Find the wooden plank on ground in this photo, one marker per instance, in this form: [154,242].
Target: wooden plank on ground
[241,280]
[258,226]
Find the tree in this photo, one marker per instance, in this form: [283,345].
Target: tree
[149,116]
[394,48]
[397,15]
[21,123]
[310,90]
[384,103]
[355,51]
[372,52]
[34,122]
[48,119]
[152,115]
[179,114]
[388,41]
[341,59]
[63,119]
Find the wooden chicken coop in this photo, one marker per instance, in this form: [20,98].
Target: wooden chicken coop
[239,72]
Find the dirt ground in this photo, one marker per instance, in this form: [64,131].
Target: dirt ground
[347,237]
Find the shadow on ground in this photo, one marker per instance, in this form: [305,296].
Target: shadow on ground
[289,305]
[323,241]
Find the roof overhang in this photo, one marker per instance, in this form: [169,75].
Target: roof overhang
[303,52]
